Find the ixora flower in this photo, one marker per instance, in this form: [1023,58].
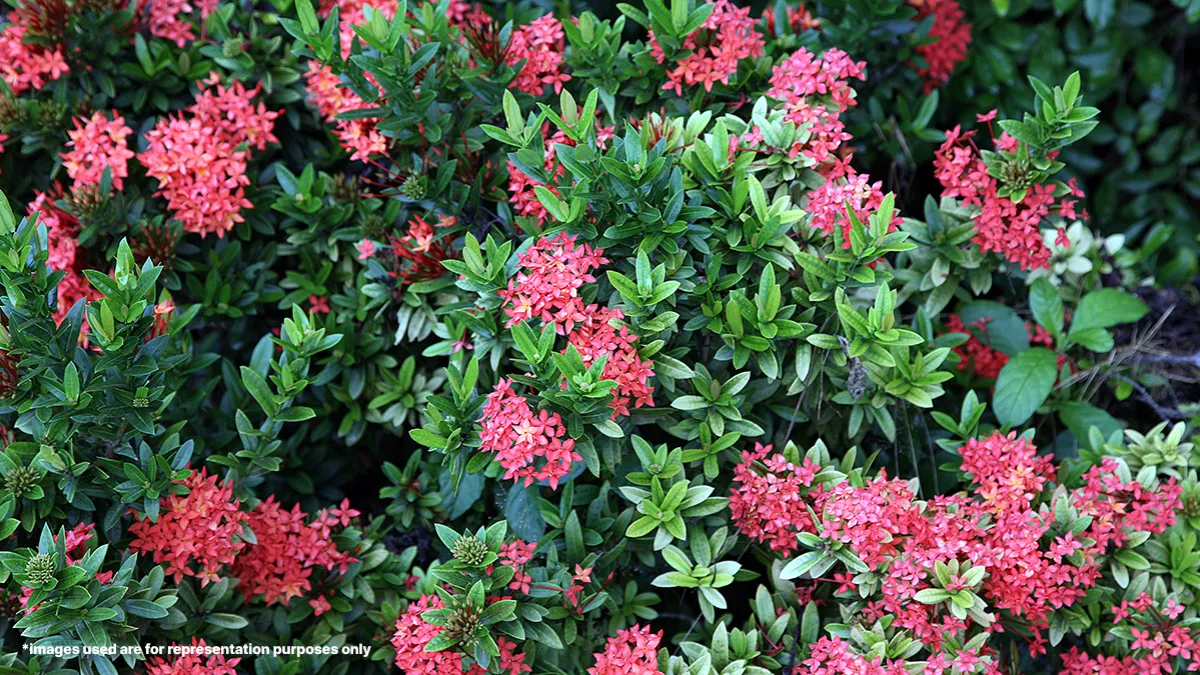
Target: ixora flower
[99,144]
[949,38]
[288,550]
[552,296]
[197,662]
[631,652]
[196,534]
[530,446]
[714,50]
[198,160]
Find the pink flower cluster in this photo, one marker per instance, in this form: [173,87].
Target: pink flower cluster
[65,255]
[547,286]
[714,50]
[193,663]
[833,656]
[769,504]
[195,157]
[98,144]
[288,549]
[521,187]
[595,337]
[171,20]
[411,636]
[76,547]
[195,534]
[530,446]
[515,554]
[1159,644]
[1003,226]
[951,36]
[25,66]
[1029,574]
[1118,508]
[540,45]
[353,13]
[632,652]
[799,19]
[828,203]
[815,91]
[332,98]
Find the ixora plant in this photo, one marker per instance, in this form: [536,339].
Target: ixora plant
[467,339]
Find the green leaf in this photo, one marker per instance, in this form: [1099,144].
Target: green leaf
[257,387]
[521,511]
[1023,385]
[145,609]
[801,564]
[932,596]
[996,326]
[296,414]
[459,501]
[308,17]
[1047,306]
[1107,307]
[1081,417]
[229,621]
[810,625]
[1099,12]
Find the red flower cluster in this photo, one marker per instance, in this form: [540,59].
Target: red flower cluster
[23,65]
[951,36]
[332,98]
[631,652]
[420,252]
[547,287]
[196,160]
[193,663]
[98,144]
[411,636]
[714,50]
[198,529]
[288,550]
[1160,645]
[985,361]
[521,187]
[902,539]
[1003,226]
[170,20]
[769,505]
[530,446]
[595,337]
[540,45]
[62,230]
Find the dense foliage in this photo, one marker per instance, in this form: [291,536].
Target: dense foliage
[683,338]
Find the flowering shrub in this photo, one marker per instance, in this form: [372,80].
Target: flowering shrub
[691,338]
